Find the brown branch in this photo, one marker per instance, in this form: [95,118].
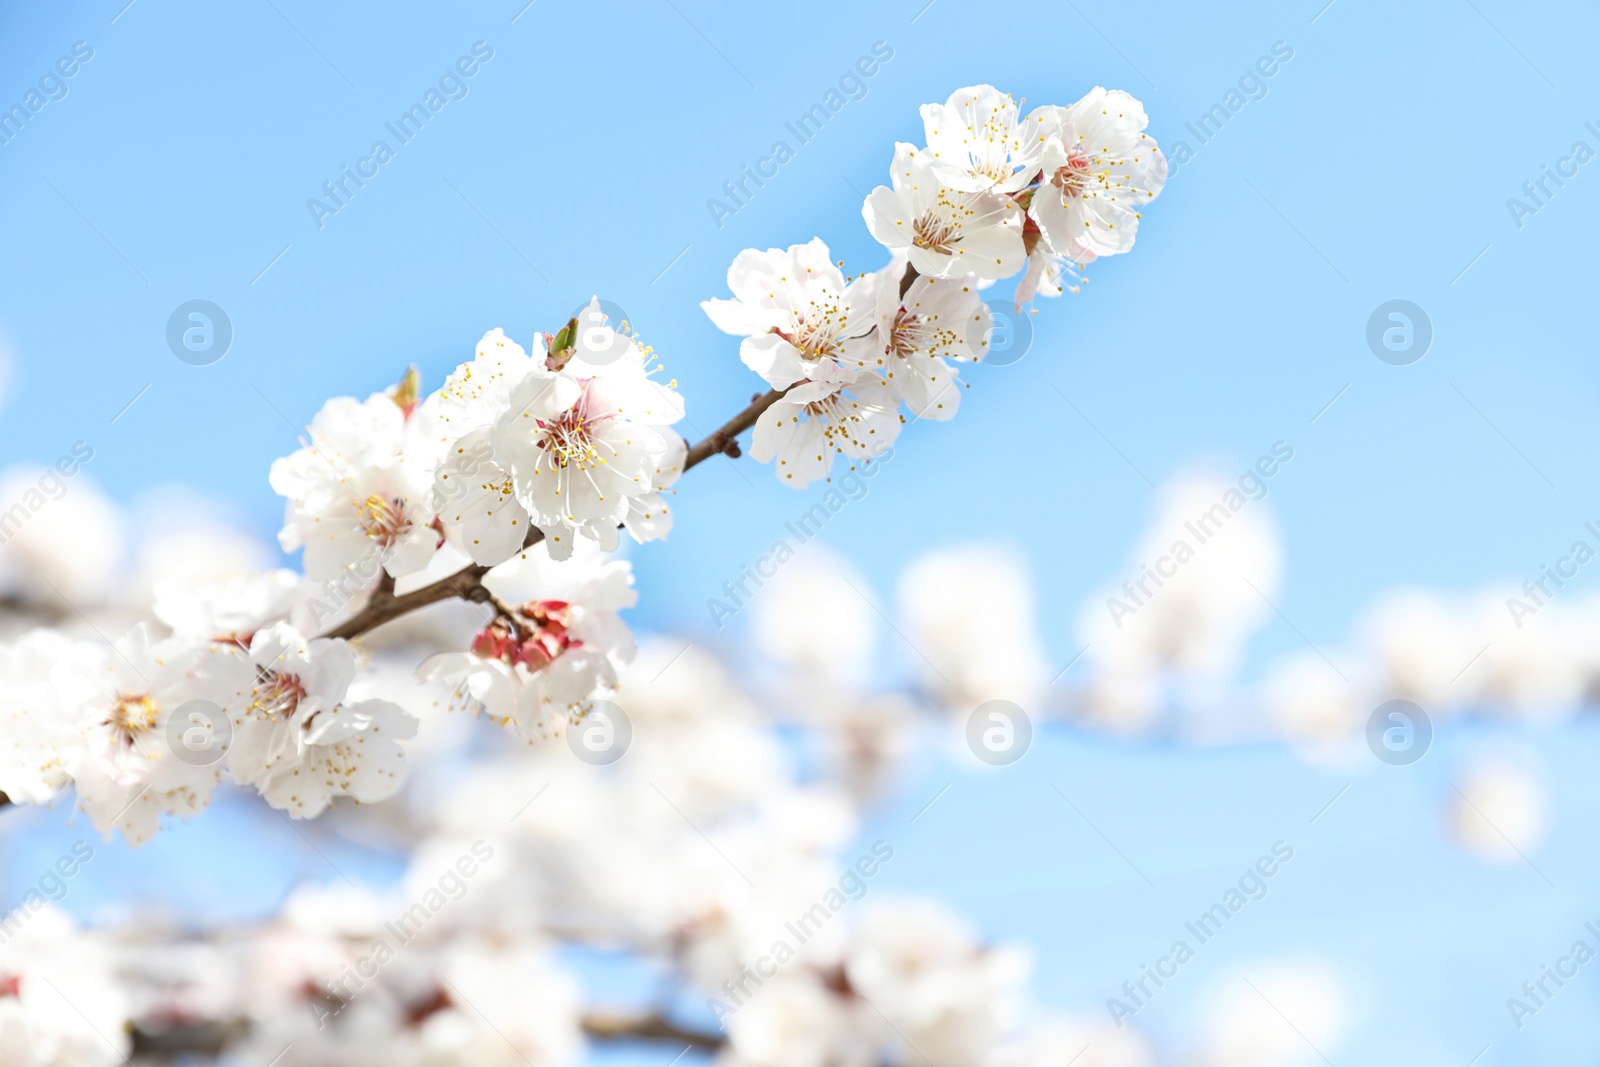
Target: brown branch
[905,282]
[210,1039]
[384,606]
[467,583]
[607,1027]
[722,438]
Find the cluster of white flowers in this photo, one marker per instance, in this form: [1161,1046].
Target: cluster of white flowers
[993,191]
[509,484]
[725,850]
[60,1002]
[503,493]
[703,853]
[992,194]
[502,468]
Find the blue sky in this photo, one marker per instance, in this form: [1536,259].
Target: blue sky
[1377,166]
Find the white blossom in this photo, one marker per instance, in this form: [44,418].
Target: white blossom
[796,1021]
[969,614]
[979,140]
[1051,273]
[1286,1015]
[586,444]
[1100,170]
[62,541]
[943,995]
[800,318]
[535,669]
[812,619]
[298,738]
[816,421]
[1197,586]
[123,700]
[1319,708]
[938,320]
[477,502]
[37,728]
[60,1003]
[228,609]
[359,492]
[1078,1043]
[944,231]
[1498,811]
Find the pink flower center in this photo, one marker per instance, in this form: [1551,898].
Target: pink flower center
[383,520]
[569,437]
[1073,178]
[276,696]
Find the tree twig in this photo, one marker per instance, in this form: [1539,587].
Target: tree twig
[210,1039]
[723,436]
[606,1027]
[467,583]
[384,606]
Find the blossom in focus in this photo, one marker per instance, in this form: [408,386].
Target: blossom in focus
[534,670]
[477,504]
[478,391]
[800,318]
[359,492]
[937,320]
[586,442]
[1050,273]
[945,232]
[979,140]
[1100,170]
[815,421]
[297,738]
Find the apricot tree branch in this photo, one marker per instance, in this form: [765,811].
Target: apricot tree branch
[722,438]
[209,1039]
[608,1027]
[467,584]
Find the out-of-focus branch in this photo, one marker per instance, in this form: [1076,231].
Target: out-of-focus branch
[202,1039]
[605,1027]
[209,1039]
